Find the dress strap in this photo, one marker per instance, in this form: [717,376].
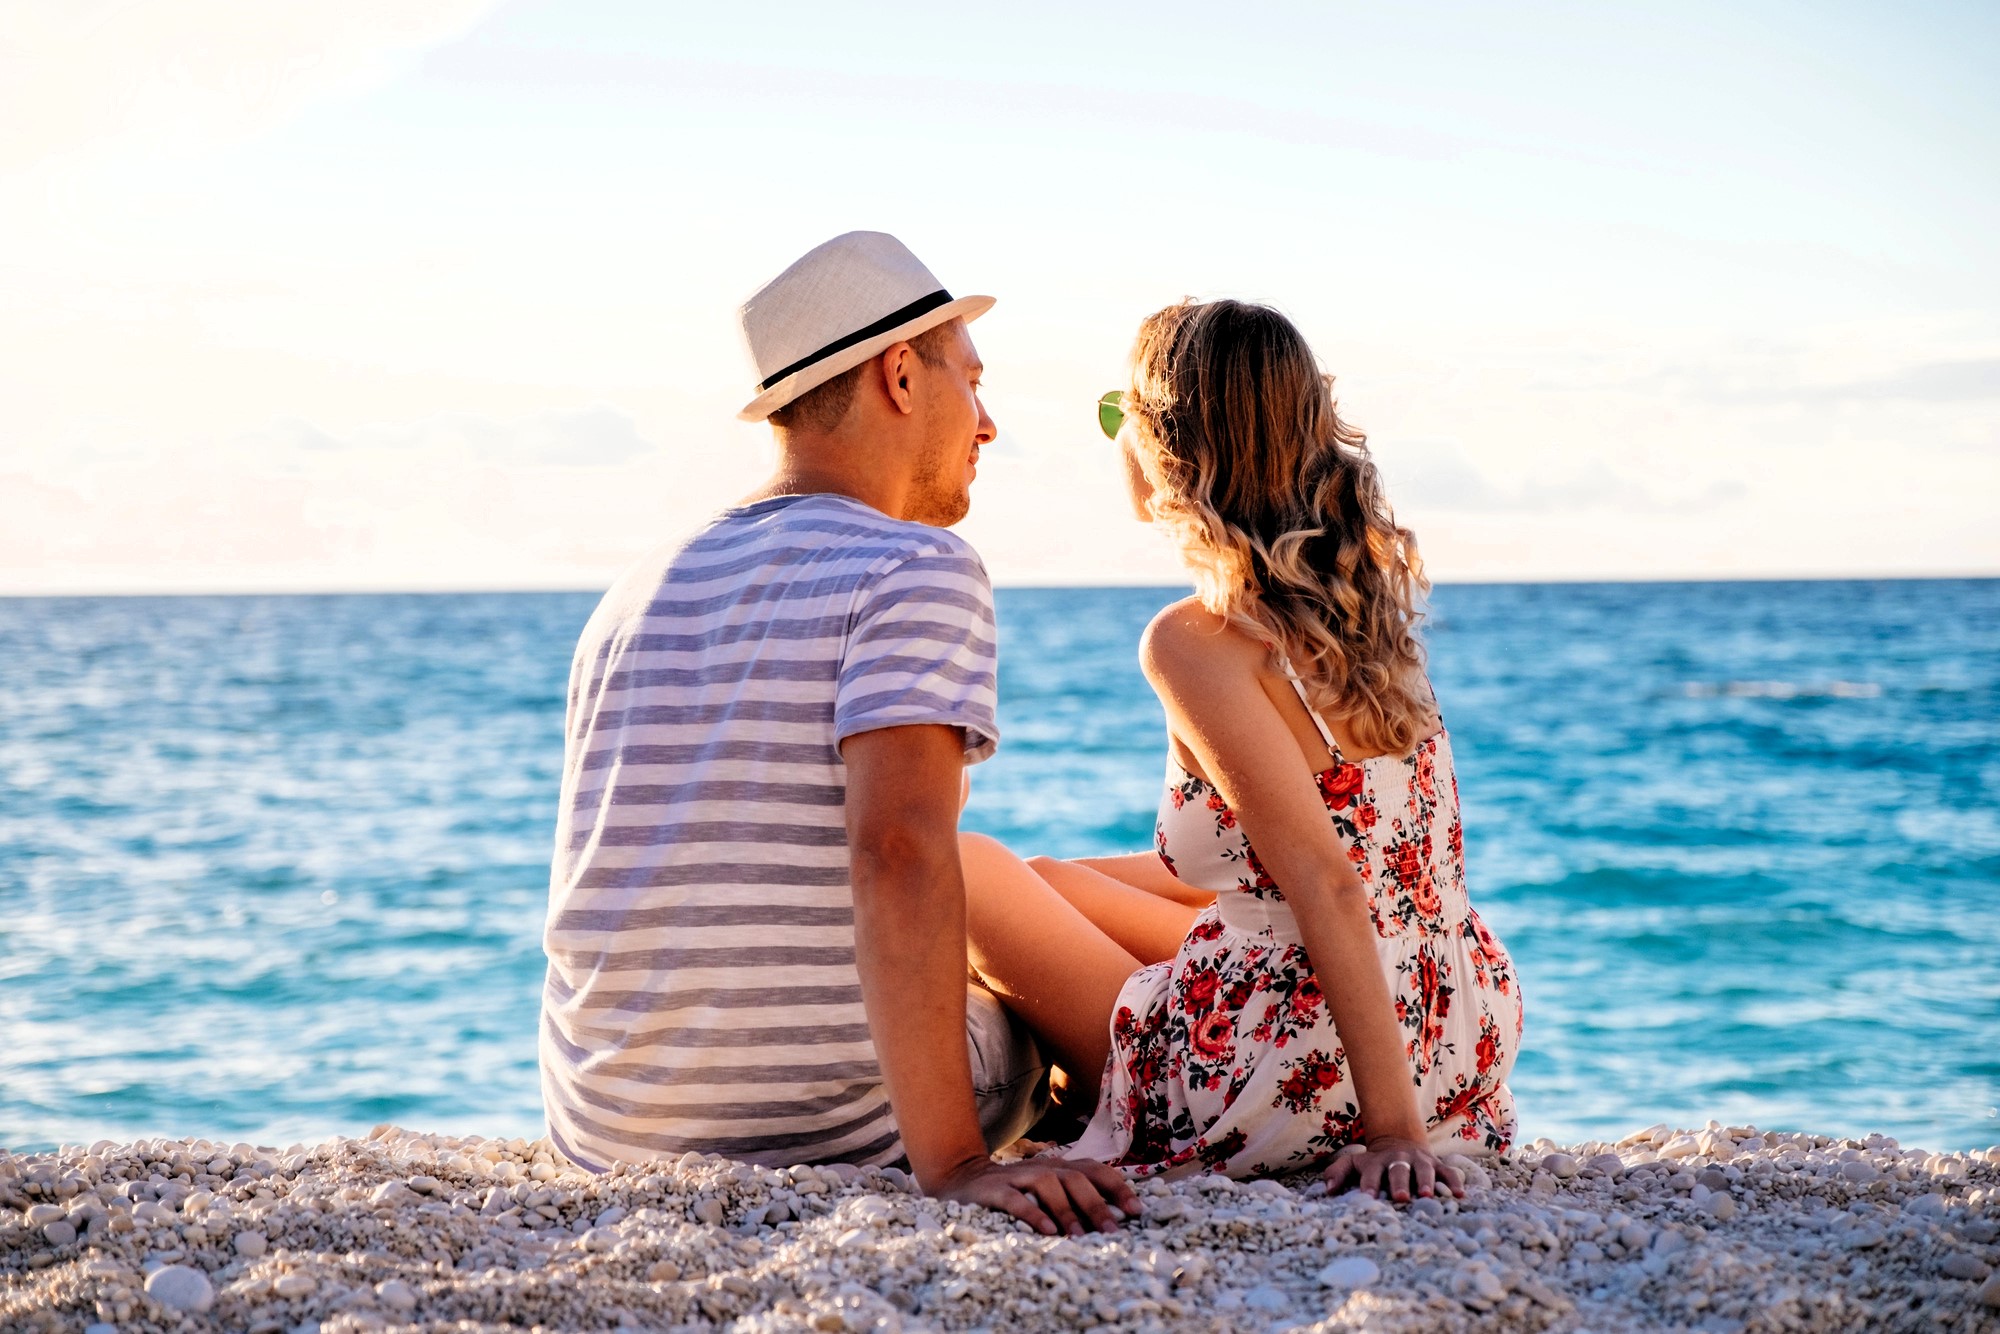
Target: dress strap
[1325,732]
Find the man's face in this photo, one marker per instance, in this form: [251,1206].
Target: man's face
[955,426]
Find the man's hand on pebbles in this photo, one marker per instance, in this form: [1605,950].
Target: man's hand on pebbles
[1403,1167]
[1055,1196]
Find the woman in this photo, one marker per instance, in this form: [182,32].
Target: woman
[1296,980]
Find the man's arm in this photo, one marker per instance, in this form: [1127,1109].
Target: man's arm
[903,793]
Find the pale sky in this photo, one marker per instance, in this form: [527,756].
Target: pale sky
[441,293]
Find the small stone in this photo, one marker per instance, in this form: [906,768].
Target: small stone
[1634,1236]
[396,1294]
[709,1211]
[389,1192]
[293,1285]
[1720,1206]
[100,1328]
[251,1245]
[60,1233]
[1560,1166]
[663,1271]
[599,1239]
[1989,1291]
[1351,1271]
[1958,1264]
[615,1214]
[181,1288]
[1264,1297]
[1860,1171]
[41,1215]
[1680,1146]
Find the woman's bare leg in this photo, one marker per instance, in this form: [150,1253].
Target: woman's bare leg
[1046,961]
[1140,917]
[1145,870]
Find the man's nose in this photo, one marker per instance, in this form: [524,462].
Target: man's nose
[987,430]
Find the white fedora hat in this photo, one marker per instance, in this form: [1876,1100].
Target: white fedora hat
[840,304]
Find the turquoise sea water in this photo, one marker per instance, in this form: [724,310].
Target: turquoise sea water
[274,867]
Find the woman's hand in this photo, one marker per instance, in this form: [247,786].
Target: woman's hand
[1406,1168]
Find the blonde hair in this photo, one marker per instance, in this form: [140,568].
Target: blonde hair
[1279,511]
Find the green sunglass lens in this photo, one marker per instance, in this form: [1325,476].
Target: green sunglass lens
[1111,412]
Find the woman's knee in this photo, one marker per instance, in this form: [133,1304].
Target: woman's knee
[980,849]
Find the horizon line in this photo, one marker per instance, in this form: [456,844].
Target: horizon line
[421,590]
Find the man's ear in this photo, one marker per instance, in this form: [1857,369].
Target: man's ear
[896,365]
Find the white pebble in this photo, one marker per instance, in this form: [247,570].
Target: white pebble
[250,1245]
[41,1215]
[1860,1171]
[389,1192]
[1264,1297]
[59,1233]
[293,1285]
[599,1239]
[1960,1265]
[1721,1207]
[1350,1271]
[1559,1165]
[181,1288]
[396,1294]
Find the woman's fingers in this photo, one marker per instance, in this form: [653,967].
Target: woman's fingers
[1048,1189]
[1452,1178]
[1426,1176]
[1339,1170]
[1398,1175]
[1022,1206]
[1371,1173]
[1088,1201]
[1112,1184]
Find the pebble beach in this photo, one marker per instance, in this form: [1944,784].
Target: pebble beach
[1719,1228]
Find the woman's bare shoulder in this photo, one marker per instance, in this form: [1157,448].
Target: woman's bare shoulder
[1187,637]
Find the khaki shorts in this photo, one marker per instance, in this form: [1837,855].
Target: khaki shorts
[1010,1080]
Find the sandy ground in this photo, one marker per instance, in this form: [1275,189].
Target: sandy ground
[1718,1229]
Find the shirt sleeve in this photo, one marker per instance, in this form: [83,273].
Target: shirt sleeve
[922,648]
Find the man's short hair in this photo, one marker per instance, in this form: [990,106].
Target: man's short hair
[824,407]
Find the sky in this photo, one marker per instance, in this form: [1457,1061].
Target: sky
[437,294]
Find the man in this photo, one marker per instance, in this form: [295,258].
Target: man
[756,930]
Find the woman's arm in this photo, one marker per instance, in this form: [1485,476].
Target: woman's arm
[1209,677]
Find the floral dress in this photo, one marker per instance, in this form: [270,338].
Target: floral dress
[1224,1058]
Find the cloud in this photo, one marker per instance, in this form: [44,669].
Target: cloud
[1931,382]
[77,73]
[1440,475]
[594,437]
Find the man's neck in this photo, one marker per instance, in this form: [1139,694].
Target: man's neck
[817,466]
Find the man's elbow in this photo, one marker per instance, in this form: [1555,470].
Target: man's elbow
[885,855]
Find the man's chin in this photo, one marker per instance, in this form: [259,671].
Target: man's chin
[944,511]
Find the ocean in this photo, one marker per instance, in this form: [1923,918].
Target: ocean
[274,868]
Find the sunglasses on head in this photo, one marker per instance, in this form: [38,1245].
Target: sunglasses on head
[1111,413]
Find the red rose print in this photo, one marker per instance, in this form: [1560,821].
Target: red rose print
[1199,987]
[1424,896]
[1214,1036]
[1338,785]
[1364,816]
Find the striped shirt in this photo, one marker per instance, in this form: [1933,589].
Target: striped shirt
[701,991]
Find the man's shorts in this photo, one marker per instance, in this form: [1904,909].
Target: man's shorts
[1010,1080]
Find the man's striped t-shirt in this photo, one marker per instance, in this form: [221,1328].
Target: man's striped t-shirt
[701,991]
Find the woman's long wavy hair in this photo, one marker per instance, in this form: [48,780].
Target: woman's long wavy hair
[1279,511]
